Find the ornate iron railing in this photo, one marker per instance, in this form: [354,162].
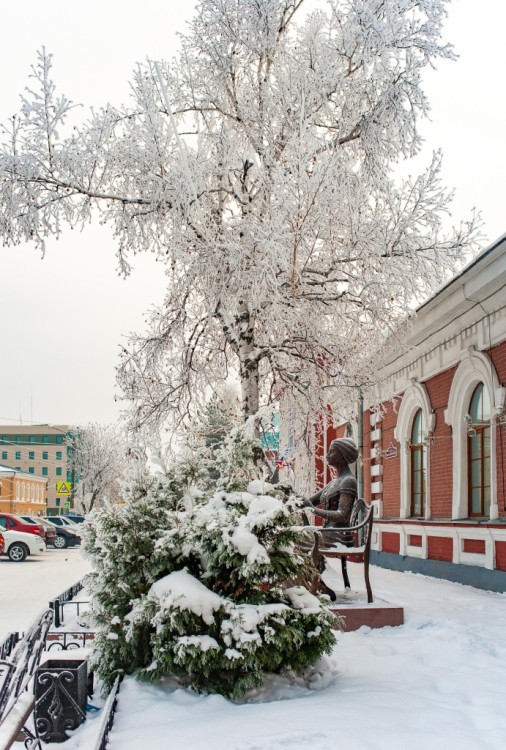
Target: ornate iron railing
[108,712]
[8,644]
[20,657]
[67,640]
[19,670]
[58,603]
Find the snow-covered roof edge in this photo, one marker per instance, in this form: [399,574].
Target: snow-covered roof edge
[446,324]
[477,260]
[23,474]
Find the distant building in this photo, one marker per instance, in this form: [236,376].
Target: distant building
[41,450]
[22,493]
[432,434]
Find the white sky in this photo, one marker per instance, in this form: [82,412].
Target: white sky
[63,318]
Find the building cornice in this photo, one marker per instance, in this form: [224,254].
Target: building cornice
[469,313]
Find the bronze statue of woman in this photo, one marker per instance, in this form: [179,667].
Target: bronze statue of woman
[337,497]
[336,500]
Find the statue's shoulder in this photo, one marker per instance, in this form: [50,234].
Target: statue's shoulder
[348,484]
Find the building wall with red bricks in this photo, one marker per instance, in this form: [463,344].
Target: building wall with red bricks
[390,542]
[500,555]
[452,345]
[441,459]
[474,546]
[440,548]
[391,465]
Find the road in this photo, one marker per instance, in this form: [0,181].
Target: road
[27,587]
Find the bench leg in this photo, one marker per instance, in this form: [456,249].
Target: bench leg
[367,582]
[324,589]
[344,571]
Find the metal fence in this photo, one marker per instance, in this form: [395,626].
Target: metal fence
[108,712]
[59,602]
[20,656]
[8,645]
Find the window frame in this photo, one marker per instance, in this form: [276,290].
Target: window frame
[481,429]
[415,398]
[418,448]
[474,368]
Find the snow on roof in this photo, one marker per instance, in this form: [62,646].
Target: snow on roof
[11,470]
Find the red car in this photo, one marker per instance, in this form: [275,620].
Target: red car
[10,522]
[49,529]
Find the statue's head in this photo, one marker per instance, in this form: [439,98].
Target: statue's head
[345,448]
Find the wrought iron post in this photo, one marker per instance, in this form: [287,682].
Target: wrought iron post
[60,698]
[54,604]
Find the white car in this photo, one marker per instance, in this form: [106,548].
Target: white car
[19,545]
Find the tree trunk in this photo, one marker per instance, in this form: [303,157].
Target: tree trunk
[249,388]
[248,363]
[94,496]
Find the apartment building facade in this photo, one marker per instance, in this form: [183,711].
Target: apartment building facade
[41,450]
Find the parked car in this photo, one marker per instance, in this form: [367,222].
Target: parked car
[75,518]
[65,537]
[12,522]
[48,528]
[62,521]
[18,545]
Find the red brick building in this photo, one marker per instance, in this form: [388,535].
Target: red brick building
[433,439]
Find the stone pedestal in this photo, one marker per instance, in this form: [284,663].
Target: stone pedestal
[354,609]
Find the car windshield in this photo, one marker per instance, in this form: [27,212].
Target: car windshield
[61,522]
[23,519]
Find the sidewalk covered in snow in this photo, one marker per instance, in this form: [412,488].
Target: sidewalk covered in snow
[438,681]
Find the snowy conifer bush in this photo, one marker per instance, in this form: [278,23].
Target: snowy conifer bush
[203,583]
[123,545]
[241,616]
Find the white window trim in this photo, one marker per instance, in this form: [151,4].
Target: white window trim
[415,397]
[474,368]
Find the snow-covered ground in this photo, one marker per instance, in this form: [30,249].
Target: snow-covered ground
[27,587]
[437,682]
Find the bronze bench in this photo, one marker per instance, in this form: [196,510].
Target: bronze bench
[358,547]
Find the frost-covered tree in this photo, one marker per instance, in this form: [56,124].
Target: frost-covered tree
[98,457]
[213,425]
[258,164]
[217,418]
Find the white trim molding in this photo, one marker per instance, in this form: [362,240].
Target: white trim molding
[474,368]
[415,397]
[458,534]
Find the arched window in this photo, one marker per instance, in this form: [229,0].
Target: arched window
[475,381]
[478,452]
[416,420]
[418,466]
